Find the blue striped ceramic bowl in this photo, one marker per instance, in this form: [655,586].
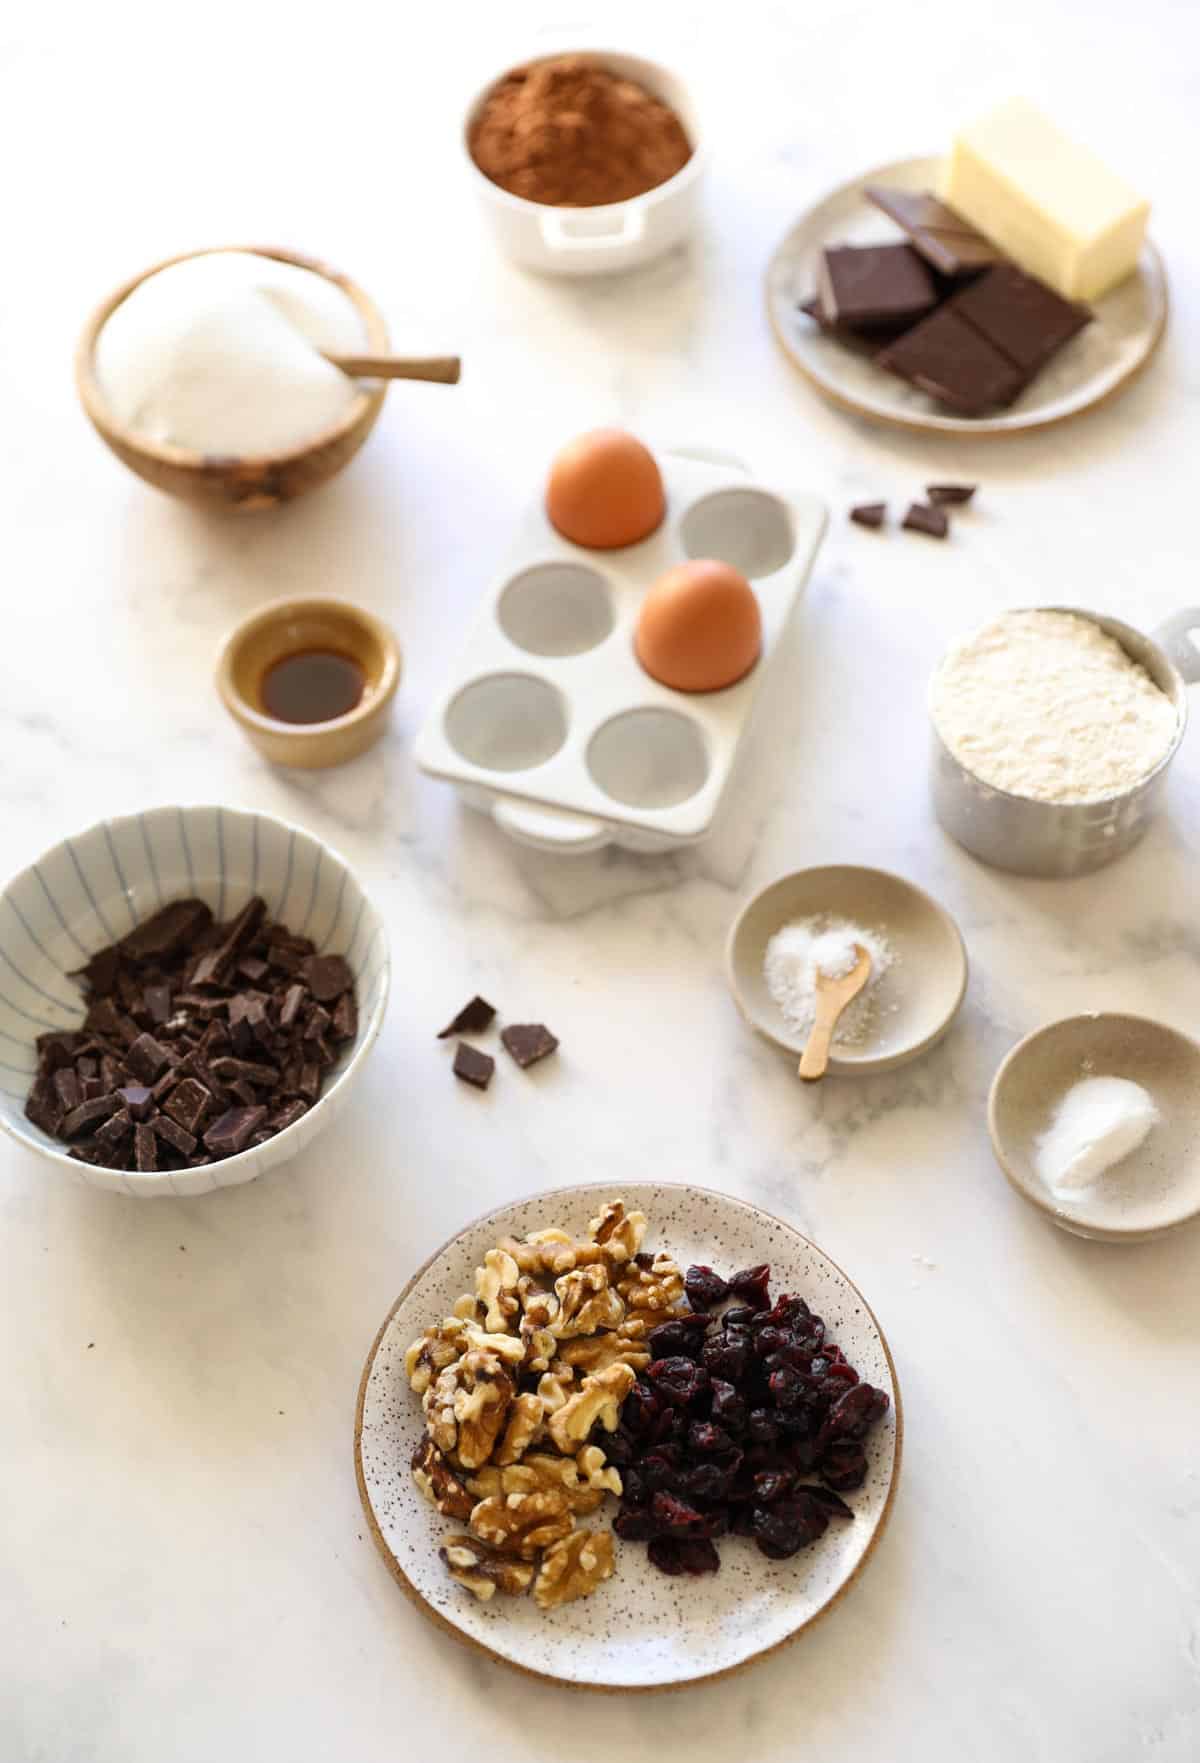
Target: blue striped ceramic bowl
[92,889]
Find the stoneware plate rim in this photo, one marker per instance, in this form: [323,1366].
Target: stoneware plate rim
[1090,1229]
[847,1063]
[839,389]
[640,1192]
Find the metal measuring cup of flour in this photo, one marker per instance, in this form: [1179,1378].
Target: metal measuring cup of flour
[1030,837]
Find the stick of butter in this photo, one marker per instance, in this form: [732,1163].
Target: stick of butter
[1052,205]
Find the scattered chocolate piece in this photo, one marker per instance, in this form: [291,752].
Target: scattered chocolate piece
[949,359]
[231,1133]
[874,284]
[189,1025]
[472,1066]
[950,493]
[147,1058]
[864,339]
[943,238]
[869,514]
[528,1042]
[138,1100]
[1023,318]
[472,1019]
[327,977]
[921,518]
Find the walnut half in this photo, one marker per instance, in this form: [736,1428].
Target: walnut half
[481,1572]
[438,1482]
[522,1524]
[573,1568]
[599,1398]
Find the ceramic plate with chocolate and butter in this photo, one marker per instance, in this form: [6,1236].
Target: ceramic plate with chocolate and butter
[627,1436]
[896,307]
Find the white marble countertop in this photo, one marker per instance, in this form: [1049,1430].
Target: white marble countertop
[186,1571]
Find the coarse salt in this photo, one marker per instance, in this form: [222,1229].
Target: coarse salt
[824,945]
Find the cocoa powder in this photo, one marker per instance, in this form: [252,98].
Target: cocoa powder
[573,135]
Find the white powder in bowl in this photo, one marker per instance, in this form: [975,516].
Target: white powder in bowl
[1047,705]
[1099,1121]
[824,944]
[223,354]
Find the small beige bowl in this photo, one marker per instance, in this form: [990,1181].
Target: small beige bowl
[231,483]
[288,627]
[1157,1186]
[917,998]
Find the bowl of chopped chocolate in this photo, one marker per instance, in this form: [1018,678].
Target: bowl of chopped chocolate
[585,163]
[187,994]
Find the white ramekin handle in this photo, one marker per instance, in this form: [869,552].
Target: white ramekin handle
[549,829]
[558,234]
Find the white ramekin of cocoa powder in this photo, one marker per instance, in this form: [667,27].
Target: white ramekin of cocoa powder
[585,163]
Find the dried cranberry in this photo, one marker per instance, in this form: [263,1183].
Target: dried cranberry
[728,1407]
[636,1524]
[772,1484]
[740,1316]
[678,1380]
[708,1440]
[706,1481]
[716,1522]
[844,1465]
[619,1447]
[659,1466]
[633,1481]
[840,1373]
[670,1555]
[789,1525]
[771,1340]
[741,1524]
[640,1407]
[676,1517]
[802,1454]
[704,1288]
[853,1412]
[753,1284]
[789,1310]
[678,1338]
[726,1360]
[880,1404]
[789,1388]
[762,1426]
[828,1501]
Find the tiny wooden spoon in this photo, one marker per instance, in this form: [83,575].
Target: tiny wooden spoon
[444,369]
[833,995]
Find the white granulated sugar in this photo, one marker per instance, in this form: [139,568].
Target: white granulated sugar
[1099,1121]
[1047,705]
[824,945]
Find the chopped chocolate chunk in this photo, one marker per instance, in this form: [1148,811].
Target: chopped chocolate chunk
[288,1115]
[327,977]
[944,239]
[116,1128]
[91,1088]
[309,1084]
[103,1018]
[148,1058]
[472,1066]
[42,1110]
[145,1148]
[243,1092]
[68,1090]
[873,284]
[345,1018]
[207,970]
[174,1134]
[163,935]
[946,357]
[55,1051]
[922,518]
[231,1133]
[316,1022]
[86,1066]
[88,1113]
[138,1100]
[528,1042]
[870,514]
[472,1019]
[101,971]
[245,1071]
[1023,318]
[188,1104]
[253,968]
[158,1003]
[293,998]
[950,493]
[863,339]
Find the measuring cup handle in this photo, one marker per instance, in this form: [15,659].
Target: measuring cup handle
[1179,635]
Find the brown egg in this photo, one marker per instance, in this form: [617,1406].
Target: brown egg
[605,490]
[699,628]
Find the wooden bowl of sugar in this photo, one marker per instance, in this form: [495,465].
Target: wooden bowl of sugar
[225,476]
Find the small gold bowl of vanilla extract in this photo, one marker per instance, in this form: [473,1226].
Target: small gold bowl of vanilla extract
[311,682]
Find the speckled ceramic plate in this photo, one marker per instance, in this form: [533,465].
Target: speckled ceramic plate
[1127,327]
[641,1630]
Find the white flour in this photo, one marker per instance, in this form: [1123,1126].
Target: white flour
[1048,705]
[824,944]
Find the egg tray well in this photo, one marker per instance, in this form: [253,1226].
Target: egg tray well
[549,722]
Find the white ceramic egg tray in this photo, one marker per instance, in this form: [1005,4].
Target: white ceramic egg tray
[548,722]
